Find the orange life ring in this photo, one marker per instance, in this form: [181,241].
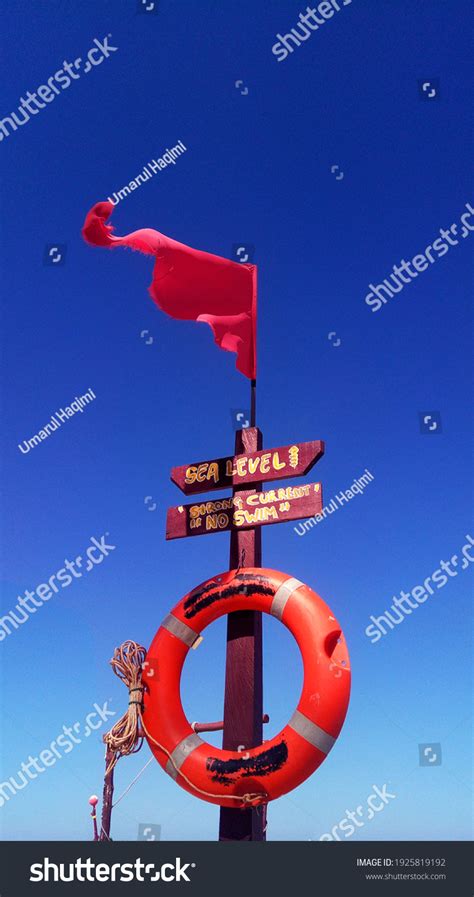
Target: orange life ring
[263,773]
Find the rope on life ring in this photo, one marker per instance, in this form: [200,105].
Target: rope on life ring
[155,711]
[267,771]
[127,734]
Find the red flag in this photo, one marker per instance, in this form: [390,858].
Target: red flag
[192,285]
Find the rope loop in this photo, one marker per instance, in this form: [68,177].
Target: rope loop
[126,736]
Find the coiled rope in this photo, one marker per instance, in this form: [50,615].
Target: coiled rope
[127,735]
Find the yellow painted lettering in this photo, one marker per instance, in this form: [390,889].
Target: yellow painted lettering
[241,466]
[267,496]
[213,472]
[265,463]
[253,499]
[277,464]
[190,475]
[253,464]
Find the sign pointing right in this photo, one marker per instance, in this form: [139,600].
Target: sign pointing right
[258,467]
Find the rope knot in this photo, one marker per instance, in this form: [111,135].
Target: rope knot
[131,690]
[254,799]
[125,736]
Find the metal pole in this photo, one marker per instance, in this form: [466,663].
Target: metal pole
[253,403]
[218,726]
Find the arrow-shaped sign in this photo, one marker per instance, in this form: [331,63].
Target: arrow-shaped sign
[244,511]
[257,467]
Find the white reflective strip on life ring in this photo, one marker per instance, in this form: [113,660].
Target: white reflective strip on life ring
[308,730]
[181,751]
[180,630]
[281,596]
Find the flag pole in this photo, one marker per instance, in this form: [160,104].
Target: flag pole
[253,403]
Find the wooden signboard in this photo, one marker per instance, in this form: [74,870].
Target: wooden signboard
[256,467]
[244,511]
[243,514]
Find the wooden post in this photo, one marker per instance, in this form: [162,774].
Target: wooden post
[243,517]
[107,797]
[243,701]
[93,801]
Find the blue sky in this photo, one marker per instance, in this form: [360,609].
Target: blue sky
[257,170]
